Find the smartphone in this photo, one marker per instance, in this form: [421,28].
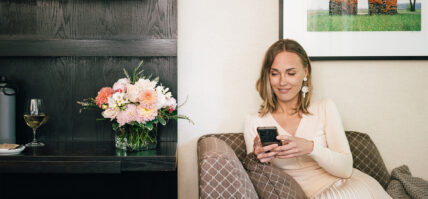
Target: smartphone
[268,135]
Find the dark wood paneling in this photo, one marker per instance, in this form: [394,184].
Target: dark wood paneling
[17,18]
[99,38]
[83,19]
[156,47]
[61,81]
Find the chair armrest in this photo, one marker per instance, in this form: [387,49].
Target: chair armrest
[221,174]
[234,140]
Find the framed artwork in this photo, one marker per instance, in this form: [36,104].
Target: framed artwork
[357,29]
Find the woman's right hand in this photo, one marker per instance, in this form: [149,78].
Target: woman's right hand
[264,153]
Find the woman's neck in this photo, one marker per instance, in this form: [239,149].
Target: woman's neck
[287,107]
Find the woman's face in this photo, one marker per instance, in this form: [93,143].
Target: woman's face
[286,76]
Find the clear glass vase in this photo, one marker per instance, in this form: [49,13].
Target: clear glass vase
[133,138]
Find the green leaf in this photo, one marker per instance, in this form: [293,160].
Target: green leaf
[162,121]
[185,117]
[156,79]
[140,74]
[185,101]
[127,75]
[135,74]
[88,104]
[115,126]
[139,65]
[149,126]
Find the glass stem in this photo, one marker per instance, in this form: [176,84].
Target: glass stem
[34,135]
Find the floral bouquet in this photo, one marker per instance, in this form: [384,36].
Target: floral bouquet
[135,105]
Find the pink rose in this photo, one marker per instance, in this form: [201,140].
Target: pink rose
[111,113]
[128,115]
[145,114]
[120,85]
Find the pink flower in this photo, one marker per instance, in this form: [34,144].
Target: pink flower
[128,115]
[102,96]
[148,98]
[120,85]
[171,104]
[111,113]
[145,114]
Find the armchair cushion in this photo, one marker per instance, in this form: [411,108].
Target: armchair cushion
[367,158]
[270,182]
[221,174]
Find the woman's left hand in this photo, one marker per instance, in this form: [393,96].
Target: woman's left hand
[293,147]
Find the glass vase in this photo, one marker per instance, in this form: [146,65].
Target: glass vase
[133,138]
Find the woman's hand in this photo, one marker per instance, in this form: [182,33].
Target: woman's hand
[293,147]
[264,153]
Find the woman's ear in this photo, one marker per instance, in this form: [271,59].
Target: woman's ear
[306,71]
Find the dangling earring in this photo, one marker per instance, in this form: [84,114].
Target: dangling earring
[305,89]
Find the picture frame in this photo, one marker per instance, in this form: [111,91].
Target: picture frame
[352,45]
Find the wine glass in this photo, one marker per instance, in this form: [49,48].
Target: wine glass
[35,115]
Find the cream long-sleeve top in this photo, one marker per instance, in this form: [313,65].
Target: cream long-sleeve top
[331,158]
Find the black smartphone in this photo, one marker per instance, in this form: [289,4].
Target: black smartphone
[268,135]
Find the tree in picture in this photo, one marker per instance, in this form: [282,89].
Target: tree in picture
[412,5]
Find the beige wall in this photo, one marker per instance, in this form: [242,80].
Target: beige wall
[220,48]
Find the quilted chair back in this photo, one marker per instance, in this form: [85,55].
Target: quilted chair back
[367,157]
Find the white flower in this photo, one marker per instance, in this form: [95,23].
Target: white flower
[120,98]
[144,84]
[111,102]
[110,113]
[165,89]
[133,92]
[161,97]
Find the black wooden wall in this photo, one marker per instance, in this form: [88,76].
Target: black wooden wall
[66,50]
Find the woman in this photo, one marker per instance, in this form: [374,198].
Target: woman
[314,150]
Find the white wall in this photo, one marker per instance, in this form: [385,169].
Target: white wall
[386,99]
[220,49]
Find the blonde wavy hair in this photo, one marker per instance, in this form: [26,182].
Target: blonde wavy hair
[270,102]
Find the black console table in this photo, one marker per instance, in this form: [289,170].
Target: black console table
[92,169]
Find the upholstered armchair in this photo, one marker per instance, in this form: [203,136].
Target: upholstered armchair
[222,175]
